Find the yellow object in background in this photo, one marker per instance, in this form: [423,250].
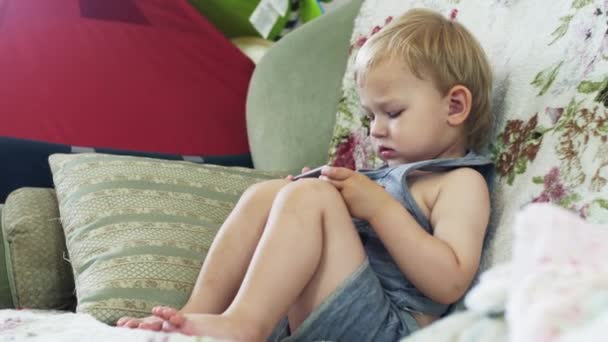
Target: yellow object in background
[252,47]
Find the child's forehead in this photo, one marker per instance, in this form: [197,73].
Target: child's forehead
[387,68]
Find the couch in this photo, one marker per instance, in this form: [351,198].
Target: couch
[549,146]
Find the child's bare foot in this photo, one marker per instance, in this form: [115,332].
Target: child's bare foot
[173,317]
[147,323]
[217,326]
[154,322]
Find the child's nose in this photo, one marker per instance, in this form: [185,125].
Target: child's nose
[378,129]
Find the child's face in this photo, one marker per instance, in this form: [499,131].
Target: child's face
[407,114]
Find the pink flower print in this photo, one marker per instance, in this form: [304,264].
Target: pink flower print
[376,29]
[361,41]
[557,191]
[545,260]
[542,198]
[345,153]
[552,177]
[575,313]
[554,113]
[453,14]
[10,324]
[584,210]
[573,262]
[388,20]
[554,190]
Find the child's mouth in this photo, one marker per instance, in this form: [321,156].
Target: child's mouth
[386,153]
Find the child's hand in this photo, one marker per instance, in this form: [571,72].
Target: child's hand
[304,169]
[363,197]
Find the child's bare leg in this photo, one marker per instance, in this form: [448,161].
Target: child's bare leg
[227,259]
[308,249]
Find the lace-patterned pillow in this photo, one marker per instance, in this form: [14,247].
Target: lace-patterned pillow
[36,270]
[137,229]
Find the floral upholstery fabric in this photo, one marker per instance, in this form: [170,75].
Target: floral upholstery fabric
[550,64]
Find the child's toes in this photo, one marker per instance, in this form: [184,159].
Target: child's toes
[132,323]
[157,310]
[121,321]
[167,313]
[168,327]
[177,320]
[163,312]
[155,325]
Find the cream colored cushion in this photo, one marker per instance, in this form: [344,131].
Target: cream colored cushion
[38,272]
[137,229]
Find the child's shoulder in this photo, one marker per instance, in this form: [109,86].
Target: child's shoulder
[462,197]
[457,184]
[463,178]
[460,175]
[462,186]
[463,173]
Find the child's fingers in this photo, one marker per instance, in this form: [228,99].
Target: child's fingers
[336,173]
[304,169]
[336,183]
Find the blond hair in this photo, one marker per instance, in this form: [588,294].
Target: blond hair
[443,50]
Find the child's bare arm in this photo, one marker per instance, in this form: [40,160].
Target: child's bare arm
[442,265]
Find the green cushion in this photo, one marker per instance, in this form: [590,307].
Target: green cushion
[6,298]
[38,274]
[137,229]
[294,92]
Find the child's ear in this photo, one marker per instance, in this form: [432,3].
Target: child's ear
[459,98]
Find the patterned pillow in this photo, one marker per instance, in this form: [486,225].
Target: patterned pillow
[6,299]
[137,229]
[550,61]
[38,274]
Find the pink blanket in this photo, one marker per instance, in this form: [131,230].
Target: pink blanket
[559,288]
[556,286]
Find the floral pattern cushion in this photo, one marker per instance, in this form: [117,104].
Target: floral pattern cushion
[550,63]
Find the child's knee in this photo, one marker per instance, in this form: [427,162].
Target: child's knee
[265,188]
[315,190]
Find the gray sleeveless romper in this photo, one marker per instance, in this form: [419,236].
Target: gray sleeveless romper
[376,302]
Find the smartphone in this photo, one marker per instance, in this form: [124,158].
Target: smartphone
[314,173]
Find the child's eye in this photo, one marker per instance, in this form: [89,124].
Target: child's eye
[393,115]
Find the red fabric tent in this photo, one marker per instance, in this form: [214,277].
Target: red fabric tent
[148,75]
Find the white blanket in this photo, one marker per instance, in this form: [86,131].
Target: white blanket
[554,289]
[49,326]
